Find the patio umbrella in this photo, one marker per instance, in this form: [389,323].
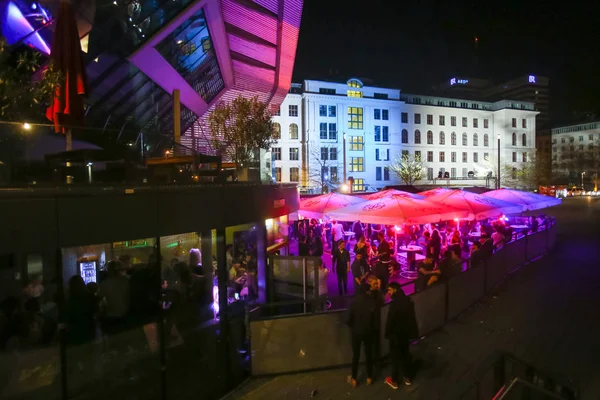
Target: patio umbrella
[319,206]
[431,192]
[390,193]
[531,201]
[478,207]
[66,109]
[397,210]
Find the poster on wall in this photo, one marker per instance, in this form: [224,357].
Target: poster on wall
[87,270]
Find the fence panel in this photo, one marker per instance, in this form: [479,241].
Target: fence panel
[516,253]
[537,245]
[464,290]
[430,308]
[496,268]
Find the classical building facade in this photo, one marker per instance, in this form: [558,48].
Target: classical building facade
[576,150]
[330,132]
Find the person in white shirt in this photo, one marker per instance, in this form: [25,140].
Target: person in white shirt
[337,234]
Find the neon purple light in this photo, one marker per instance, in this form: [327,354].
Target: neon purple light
[15,26]
[531,78]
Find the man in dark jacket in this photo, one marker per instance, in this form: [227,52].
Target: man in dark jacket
[399,329]
[340,261]
[364,320]
[359,269]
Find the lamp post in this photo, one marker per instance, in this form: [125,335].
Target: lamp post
[344,151]
[498,173]
[582,174]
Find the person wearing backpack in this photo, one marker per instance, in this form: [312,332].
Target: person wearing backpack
[400,328]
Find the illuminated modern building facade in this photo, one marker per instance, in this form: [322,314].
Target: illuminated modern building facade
[576,149]
[332,128]
[138,52]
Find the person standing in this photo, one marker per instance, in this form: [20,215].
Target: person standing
[341,264]
[400,327]
[359,269]
[337,234]
[382,269]
[364,319]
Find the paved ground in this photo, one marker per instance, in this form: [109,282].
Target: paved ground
[547,315]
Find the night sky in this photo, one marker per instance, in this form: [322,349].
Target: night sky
[413,45]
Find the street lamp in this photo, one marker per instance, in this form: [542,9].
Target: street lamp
[582,174]
[26,126]
[498,173]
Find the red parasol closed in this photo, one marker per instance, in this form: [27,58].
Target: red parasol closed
[67,106]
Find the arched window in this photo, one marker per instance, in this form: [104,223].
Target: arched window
[465,139]
[293,132]
[355,88]
[475,140]
[417,137]
[404,136]
[514,139]
[442,138]
[276,131]
[524,140]
[429,137]
[453,139]
[486,140]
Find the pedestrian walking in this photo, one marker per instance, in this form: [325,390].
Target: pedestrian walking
[400,328]
[364,320]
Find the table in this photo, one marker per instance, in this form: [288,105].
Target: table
[411,255]
[519,227]
[475,234]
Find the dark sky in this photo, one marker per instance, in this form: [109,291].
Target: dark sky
[413,45]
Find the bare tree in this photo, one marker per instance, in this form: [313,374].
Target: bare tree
[490,168]
[408,167]
[324,167]
[238,130]
[534,173]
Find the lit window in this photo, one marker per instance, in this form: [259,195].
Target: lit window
[294,174]
[359,185]
[293,132]
[276,131]
[357,164]
[294,154]
[355,118]
[356,143]
[355,93]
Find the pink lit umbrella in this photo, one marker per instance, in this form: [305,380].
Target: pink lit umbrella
[318,207]
[433,192]
[478,207]
[397,210]
[390,193]
[531,201]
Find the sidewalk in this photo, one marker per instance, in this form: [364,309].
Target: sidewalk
[546,314]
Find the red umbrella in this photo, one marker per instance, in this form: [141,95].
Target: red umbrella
[67,106]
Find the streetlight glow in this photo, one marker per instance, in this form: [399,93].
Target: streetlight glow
[26,126]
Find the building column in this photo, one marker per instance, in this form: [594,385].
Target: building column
[224,332]
[261,260]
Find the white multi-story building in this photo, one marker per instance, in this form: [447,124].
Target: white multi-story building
[575,148]
[334,131]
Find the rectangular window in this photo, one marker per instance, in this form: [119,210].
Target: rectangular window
[322,111]
[418,155]
[332,131]
[524,123]
[326,91]
[377,133]
[442,120]
[453,156]
[377,155]
[355,93]
[404,118]
[486,123]
[465,173]
[355,118]
[475,157]
[294,174]
[387,155]
[332,111]
[417,118]
[453,121]
[486,156]
[377,173]
[333,153]
[323,130]
[430,156]
[430,174]
[386,174]
[525,156]
[429,119]
[385,115]
[380,95]
[277,174]
[357,164]
[442,156]
[385,133]
[333,174]
[294,154]
[359,185]
[514,156]
[581,138]
[453,173]
[475,123]
[464,122]
[590,137]
[356,143]
[276,153]
[293,111]
[324,153]
[377,113]
[405,153]
[514,122]
[464,157]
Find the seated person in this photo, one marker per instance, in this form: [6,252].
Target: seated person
[486,245]
[477,255]
[236,275]
[425,270]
